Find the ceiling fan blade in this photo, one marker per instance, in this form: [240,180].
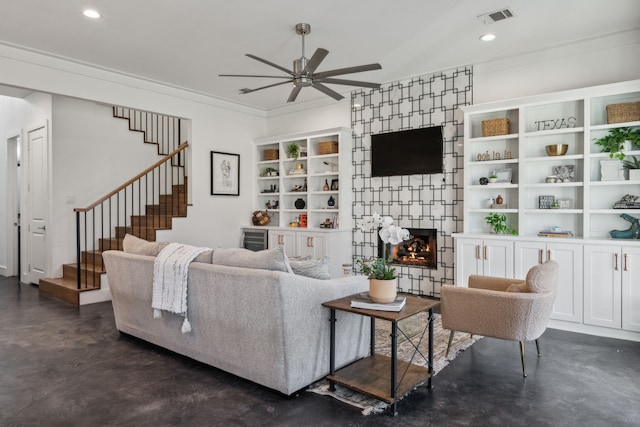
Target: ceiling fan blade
[348,82]
[264,61]
[251,75]
[247,90]
[348,70]
[294,93]
[316,59]
[332,93]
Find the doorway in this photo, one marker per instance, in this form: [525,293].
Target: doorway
[13,207]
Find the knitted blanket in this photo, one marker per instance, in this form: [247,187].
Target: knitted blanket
[170,280]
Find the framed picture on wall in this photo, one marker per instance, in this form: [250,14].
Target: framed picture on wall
[225,174]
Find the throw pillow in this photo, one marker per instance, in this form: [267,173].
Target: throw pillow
[204,257]
[135,245]
[518,287]
[543,277]
[268,259]
[316,268]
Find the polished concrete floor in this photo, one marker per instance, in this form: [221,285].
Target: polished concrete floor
[67,366]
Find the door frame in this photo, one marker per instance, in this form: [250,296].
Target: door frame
[12,204]
[25,217]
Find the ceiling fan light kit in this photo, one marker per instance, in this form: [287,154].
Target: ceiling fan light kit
[304,75]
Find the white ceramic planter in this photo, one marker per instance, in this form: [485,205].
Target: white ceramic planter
[383,290]
[634,174]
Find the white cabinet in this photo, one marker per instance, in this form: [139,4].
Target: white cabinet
[612,286]
[284,239]
[312,244]
[486,257]
[568,303]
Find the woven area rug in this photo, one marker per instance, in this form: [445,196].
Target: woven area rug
[412,327]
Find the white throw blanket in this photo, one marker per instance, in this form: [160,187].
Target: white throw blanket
[170,277]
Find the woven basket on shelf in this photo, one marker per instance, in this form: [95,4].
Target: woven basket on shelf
[620,113]
[270,154]
[495,127]
[328,147]
[260,218]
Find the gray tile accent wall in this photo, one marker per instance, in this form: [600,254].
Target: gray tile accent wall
[416,201]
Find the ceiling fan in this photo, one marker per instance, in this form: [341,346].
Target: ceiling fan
[303,73]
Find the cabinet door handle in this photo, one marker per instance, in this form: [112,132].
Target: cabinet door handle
[478,252]
[540,254]
[486,252]
[549,253]
[312,242]
[616,263]
[626,262]
[280,239]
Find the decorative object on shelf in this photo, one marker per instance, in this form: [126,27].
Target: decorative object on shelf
[551,124]
[499,200]
[614,142]
[564,173]
[331,202]
[332,165]
[326,223]
[628,201]
[298,170]
[297,189]
[611,170]
[483,180]
[503,176]
[550,179]
[225,174]
[493,179]
[556,149]
[498,224]
[334,185]
[273,188]
[299,204]
[565,203]
[328,147]
[269,172]
[625,112]
[270,154]
[555,231]
[382,277]
[495,127]
[303,220]
[633,166]
[632,233]
[272,204]
[304,186]
[293,151]
[498,203]
[494,155]
[325,187]
[260,218]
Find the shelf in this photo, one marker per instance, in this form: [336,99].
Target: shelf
[489,210]
[553,185]
[493,138]
[492,162]
[562,131]
[614,211]
[554,211]
[615,125]
[613,183]
[554,158]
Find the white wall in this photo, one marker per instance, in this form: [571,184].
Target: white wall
[216,125]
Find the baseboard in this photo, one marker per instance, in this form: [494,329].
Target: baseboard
[580,328]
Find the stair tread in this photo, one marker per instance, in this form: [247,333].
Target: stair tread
[88,267]
[65,282]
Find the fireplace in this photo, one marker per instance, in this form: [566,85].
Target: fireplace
[419,251]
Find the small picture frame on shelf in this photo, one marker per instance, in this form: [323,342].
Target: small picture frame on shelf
[545,202]
[334,185]
[564,173]
[503,176]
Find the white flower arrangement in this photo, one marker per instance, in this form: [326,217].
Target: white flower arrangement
[379,268]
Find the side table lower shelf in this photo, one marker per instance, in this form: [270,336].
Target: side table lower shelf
[371,376]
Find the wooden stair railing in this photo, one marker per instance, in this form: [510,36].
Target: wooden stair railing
[140,206]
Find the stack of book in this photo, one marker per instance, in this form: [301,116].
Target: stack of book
[363,300]
[552,233]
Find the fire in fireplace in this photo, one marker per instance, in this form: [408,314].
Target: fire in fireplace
[419,251]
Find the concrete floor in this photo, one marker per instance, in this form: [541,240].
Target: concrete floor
[62,365]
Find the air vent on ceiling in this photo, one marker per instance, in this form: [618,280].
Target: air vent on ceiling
[495,16]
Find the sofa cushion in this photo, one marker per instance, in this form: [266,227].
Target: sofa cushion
[268,259]
[135,245]
[518,287]
[316,268]
[204,257]
[543,277]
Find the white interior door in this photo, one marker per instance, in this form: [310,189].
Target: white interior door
[38,197]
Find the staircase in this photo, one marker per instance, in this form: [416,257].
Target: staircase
[142,206]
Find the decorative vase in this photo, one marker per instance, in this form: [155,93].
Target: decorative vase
[383,291]
[331,202]
[325,187]
[299,204]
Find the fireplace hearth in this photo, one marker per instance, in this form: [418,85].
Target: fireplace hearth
[419,251]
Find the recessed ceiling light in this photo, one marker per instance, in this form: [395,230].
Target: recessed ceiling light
[487,37]
[90,13]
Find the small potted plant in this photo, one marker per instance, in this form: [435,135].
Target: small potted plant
[493,178]
[633,165]
[614,142]
[293,151]
[498,224]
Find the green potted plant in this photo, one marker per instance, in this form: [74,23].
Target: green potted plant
[293,151]
[498,224]
[613,142]
[493,178]
[633,165]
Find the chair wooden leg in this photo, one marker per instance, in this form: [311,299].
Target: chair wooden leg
[538,348]
[524,372]
[449,344]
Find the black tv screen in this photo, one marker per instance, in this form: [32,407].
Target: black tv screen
[407,152]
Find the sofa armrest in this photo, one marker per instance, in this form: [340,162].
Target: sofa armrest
[491,282]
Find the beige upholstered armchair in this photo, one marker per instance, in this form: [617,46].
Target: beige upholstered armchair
[496,307]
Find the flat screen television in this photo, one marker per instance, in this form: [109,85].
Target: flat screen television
[407,152]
